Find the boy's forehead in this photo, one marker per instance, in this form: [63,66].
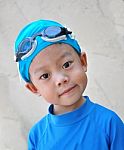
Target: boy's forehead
[59,46]
[54,53]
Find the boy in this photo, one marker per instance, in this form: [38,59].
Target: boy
[52,65]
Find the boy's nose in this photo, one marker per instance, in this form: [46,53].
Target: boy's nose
[61,79]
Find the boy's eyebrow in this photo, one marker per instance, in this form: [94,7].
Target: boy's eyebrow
[64,55]
[38,69]
[61,57]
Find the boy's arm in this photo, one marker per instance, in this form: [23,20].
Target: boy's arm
[31,144]
[116,133]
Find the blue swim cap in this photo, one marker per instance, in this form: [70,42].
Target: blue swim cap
[29,31]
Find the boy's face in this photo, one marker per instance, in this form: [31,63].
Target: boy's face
[58,74]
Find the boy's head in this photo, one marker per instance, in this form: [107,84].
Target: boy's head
[54,69]
[58,74]
[33,39]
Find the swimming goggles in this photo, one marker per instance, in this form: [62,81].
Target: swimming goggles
[49,34]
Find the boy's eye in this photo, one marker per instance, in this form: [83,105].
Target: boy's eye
[44,76]
[67,64]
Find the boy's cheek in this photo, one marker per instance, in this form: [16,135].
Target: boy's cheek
[78,71]
[79,75]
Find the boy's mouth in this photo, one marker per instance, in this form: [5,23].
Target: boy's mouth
[67,90]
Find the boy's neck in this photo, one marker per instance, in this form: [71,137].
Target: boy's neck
[59,109]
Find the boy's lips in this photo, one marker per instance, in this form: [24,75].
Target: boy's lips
[67,90]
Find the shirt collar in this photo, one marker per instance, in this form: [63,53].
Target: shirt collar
[71,117]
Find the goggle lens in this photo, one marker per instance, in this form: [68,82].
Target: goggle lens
[52,32]
[25,46]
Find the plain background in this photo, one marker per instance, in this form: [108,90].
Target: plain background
[99,28]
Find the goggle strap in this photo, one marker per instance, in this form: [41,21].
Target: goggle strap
[63,37]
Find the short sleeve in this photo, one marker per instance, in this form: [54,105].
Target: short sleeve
[116,133]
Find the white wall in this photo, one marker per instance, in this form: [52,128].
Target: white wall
[99,28]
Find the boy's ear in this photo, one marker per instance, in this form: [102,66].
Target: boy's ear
[83,59]
[31,88]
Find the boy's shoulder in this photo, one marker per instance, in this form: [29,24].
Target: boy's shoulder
[106,118]
[41,124]
[105,112]
[100,112]
[38,129]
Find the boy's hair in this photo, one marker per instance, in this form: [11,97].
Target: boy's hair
[29,31]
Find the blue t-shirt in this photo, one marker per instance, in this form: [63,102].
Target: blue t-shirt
[88,127]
